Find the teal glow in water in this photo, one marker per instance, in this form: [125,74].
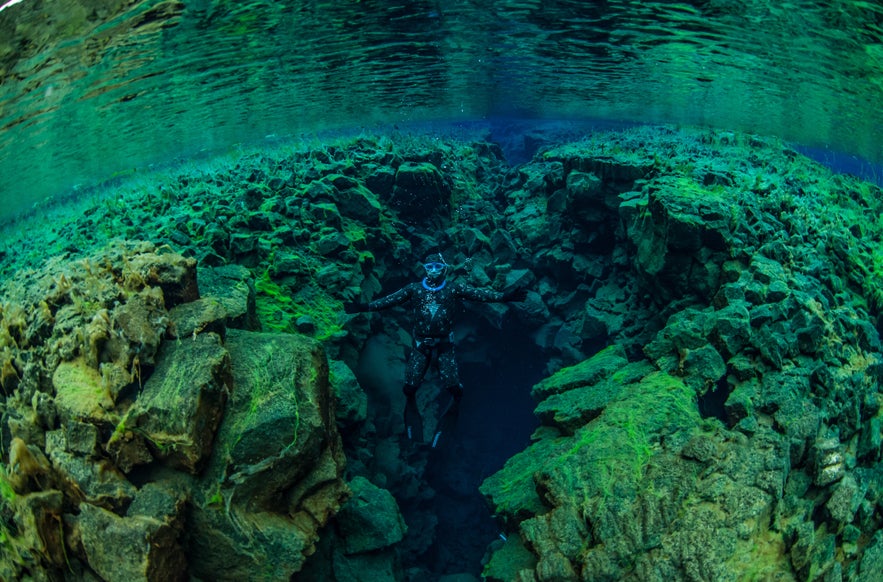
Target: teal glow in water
[96,89]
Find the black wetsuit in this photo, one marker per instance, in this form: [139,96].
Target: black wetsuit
[432,310]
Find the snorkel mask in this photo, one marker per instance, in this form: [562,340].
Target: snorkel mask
[436,268]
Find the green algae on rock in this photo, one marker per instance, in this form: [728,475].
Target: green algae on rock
[181,404]
[164,402]
[751,333]
[733,418]
[274,475]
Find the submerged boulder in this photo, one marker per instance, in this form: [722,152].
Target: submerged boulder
[420,190]
[616,484]
[80,393]
[370,520]
[182,402]
[680,236]
[144,545]
[231,287]
[277,421]
[81,477]
[274,476]
[586,373]
[351,402]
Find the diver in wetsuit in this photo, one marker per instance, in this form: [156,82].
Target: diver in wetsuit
[433,302]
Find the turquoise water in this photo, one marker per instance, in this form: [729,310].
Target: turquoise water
[321,148]
[96,90]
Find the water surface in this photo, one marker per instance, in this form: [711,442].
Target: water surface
[96,89]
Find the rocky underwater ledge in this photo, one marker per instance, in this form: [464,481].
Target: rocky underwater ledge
[183,399]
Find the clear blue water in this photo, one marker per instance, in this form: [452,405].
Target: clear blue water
[96,90]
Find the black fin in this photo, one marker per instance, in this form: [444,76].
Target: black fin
[447,422]
[413,420]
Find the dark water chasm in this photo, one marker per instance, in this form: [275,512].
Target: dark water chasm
[497,367]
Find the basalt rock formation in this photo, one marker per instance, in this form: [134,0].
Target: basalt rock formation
[703,309]
[149,437]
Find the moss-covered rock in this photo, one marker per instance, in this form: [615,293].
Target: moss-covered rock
[598,367]
[81,393]
[97,481]
[508,559]
[276,416]
[370,520]
[274,476]
[420,190]
[635,503]
[183,401]
[351,401]
[144,545]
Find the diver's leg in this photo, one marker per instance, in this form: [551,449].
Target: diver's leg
[418,362]
[449,417]
[451,378]
[413,420]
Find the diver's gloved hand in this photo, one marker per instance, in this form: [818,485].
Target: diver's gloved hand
[351,307]
[517,295]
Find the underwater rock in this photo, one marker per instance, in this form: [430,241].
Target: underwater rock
[81,438]
[420,191]
[182,402]
[274,475]
[29,469]
[36,531]
[244,247]
[685,330]
[586,373]
[233,287]
[97,481]
[508,559]
[574,408]
[680,238]
[583,188]
[381,182]
[131,548]
[351,401]
[844,501]
[730,329]
[287,264]
[171,272]
[360,203]
[331,243]
[318,215]
[559,537]
[370,520]
[81,394]
[872,560]
[216,241]
[870,442]
[656,512]
[370,567]
[128,450]
[740,403]
[829,461]
[206,314]
[701,368]
[138,323]
[235,544]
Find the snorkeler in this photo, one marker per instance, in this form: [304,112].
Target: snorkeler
[433,302]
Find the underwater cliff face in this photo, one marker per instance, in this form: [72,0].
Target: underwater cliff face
[703,308]
[94,90]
